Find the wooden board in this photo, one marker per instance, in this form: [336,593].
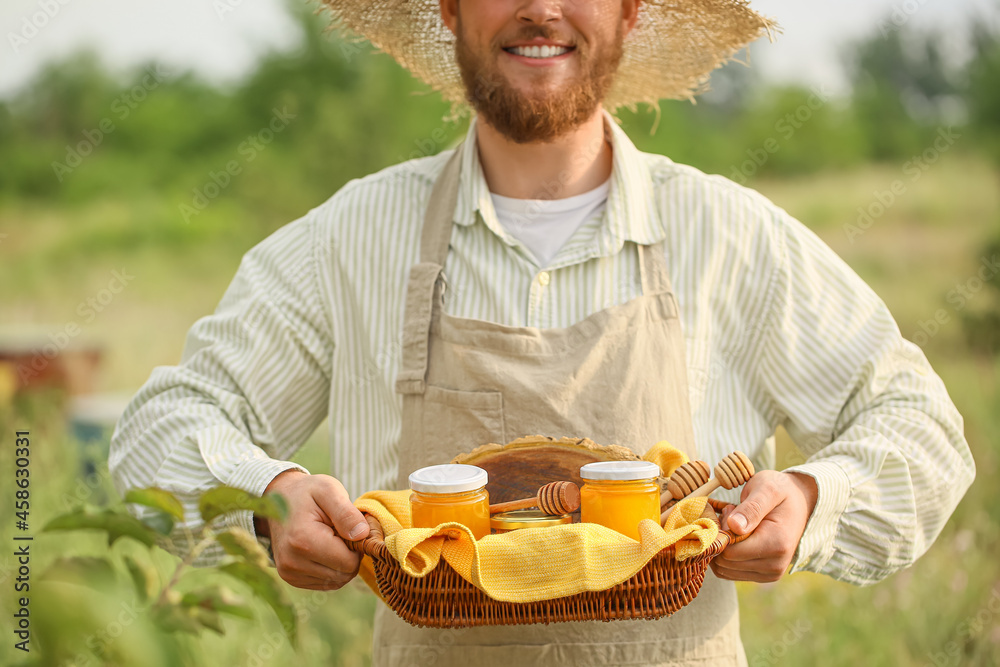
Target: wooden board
[518,468]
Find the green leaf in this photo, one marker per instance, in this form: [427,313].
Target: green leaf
[97,573]
[225,499]
[117,524]
[144,577]
[176,618]
[161,522]
[242,544]
[220,599]
[157,499]
[209,619]
[269,589]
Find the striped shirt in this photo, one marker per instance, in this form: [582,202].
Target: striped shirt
[778,331]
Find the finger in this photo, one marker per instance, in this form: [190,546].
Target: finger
[294,562]
[759,497]
[766,542]
[332,498]
[760,565]
[744,575]
[311,583]
[724,517]
[318,543]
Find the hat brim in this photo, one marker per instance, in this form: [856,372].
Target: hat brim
[669,54]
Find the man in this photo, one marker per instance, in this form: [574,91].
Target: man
[412,306]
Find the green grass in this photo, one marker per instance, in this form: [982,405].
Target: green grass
[937,612]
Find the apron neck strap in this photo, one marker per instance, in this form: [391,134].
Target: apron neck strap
[653,269]
[425,287]
[439,218]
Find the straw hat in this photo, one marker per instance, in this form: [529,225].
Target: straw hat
[668,55]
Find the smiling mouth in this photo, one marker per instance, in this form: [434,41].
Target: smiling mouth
[538,51]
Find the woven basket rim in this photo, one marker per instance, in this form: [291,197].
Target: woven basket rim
[374,544]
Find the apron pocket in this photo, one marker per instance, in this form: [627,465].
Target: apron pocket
[458,421]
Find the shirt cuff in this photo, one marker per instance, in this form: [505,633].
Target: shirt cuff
[255,475]
[816,546]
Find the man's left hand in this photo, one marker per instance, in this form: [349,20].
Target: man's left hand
[776,506]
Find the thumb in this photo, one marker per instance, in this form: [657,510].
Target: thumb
[758,498]
[345,518]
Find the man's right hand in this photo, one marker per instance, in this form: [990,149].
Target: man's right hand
[308,549]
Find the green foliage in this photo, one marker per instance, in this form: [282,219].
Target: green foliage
[144,578]
[210,161]
[268,589]
[115,523]
[223,499]
[96,573]
[982,324]
[172,611]
[982,90]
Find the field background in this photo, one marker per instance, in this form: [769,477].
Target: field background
[122,209]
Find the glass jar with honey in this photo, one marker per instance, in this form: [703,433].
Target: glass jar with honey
[504,522]
[620,494]
[450,492]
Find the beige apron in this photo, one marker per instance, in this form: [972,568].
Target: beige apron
[618,376]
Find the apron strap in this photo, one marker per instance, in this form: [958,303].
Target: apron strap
[653,269]
[425,285]
[439,218]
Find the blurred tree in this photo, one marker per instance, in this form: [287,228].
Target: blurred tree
[900,81]
[982,89]
[65,96]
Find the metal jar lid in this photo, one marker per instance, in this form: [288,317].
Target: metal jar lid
[620,470]
[448,478]
[530,518]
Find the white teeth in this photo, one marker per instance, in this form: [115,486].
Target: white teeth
[539,51]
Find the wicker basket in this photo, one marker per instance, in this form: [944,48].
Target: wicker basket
[443,599]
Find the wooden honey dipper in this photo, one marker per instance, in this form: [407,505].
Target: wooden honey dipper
[553,498]
[687,478]
[732,471]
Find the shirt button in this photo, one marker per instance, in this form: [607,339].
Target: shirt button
[543,278]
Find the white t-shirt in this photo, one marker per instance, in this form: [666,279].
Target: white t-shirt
[544,225]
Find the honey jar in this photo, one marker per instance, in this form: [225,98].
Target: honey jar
[620,494]
[450,492]
[504,522]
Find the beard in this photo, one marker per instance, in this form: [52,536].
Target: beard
[537,117]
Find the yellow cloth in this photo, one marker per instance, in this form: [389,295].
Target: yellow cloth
[539,563]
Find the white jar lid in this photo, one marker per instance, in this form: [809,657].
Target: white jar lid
[448,478]
[620,470]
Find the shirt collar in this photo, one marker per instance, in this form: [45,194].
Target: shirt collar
[631,211]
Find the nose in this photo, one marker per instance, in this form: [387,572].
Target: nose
[540,12]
